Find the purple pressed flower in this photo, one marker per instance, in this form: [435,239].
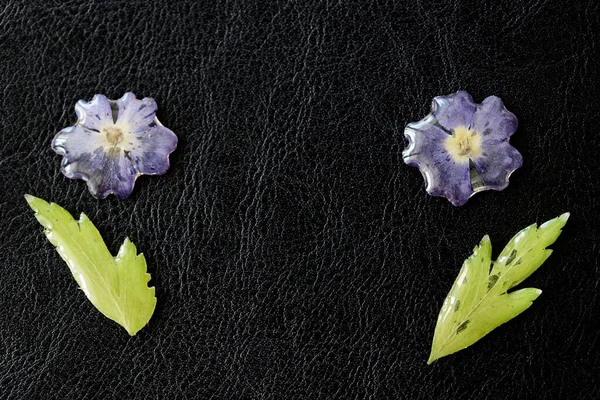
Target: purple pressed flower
[463,148]
[114,142]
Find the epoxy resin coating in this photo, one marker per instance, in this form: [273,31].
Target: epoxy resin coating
[462,147]
[114,142]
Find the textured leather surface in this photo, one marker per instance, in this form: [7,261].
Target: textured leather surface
[294,255]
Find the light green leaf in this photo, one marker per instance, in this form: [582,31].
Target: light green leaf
[478,301]
[116,286]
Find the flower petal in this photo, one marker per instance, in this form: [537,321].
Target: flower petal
[105,172]
[455,110]
[493,121]
[452,181]
[496,163]
[136,115]
[443,175]
[76,140]
[95,114]
[149,151]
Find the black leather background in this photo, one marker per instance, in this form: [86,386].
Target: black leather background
[294,255]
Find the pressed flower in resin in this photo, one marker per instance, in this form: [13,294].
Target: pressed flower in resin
[462,147]
[114,142]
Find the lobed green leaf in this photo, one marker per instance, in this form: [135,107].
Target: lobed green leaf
[478,302]
[116,286]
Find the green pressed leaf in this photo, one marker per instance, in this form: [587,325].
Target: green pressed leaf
[478,301]
[116,286]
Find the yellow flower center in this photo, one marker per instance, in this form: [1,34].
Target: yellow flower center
[463,144]
[113,135]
